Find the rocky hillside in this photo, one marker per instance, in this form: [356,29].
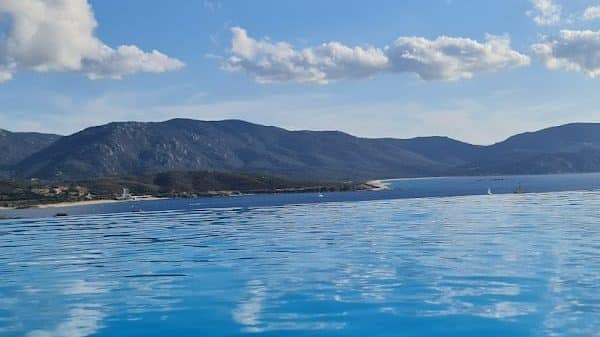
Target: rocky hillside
[133,148]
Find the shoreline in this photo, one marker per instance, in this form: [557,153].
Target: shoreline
[372,185]
[378,185]
[82,203]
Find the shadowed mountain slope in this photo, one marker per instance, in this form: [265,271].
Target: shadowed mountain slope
[237,146]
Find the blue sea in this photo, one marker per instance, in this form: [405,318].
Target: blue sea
[429,257]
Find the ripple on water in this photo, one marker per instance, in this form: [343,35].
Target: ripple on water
[524,265]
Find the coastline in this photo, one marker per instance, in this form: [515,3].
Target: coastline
[83,203]
[373,185]
[377,185]
[473,187]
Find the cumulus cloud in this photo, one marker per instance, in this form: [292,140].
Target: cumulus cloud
[451,58]
[444,58]
[125,60]
[58,35]
[576,50]
[281,62]
[545,12]
[591,13]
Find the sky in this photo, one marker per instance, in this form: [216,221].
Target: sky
[477,71]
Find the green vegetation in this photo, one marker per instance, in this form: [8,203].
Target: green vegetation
[26,193]
[131,148]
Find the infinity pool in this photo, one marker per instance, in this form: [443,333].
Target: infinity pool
[501,265]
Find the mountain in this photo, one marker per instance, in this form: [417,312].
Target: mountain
[233,145]
[127,148]
[568,148]
[567,138]
[16,146]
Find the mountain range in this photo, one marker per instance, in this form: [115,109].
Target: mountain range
[16,146]
[123,148]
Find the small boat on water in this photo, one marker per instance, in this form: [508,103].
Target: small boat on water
[519,189]
[489,191]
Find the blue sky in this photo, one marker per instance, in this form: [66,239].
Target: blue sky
[533,64]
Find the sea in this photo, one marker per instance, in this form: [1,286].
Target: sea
[427,257]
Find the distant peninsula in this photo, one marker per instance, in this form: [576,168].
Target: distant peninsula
[173,184]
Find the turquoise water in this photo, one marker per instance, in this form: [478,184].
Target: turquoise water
[501,265]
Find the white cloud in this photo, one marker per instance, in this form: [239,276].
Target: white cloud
[576,50]
[591,13]
[545,12]
[6,72]
[128,60]
[281,62]
[212,6]
[58,35]
[444,58]
[450,58]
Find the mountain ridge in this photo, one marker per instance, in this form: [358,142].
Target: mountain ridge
[121,148]
[16,146]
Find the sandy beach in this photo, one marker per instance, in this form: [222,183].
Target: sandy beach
[89,202]
[378,185]
[375,185]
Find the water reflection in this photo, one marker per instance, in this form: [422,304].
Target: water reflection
[80,322]
[522,265]
[248,312]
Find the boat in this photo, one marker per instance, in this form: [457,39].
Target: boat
[320,195]
[489,191]
[519,189]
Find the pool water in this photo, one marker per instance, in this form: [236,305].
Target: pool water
[501,265]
